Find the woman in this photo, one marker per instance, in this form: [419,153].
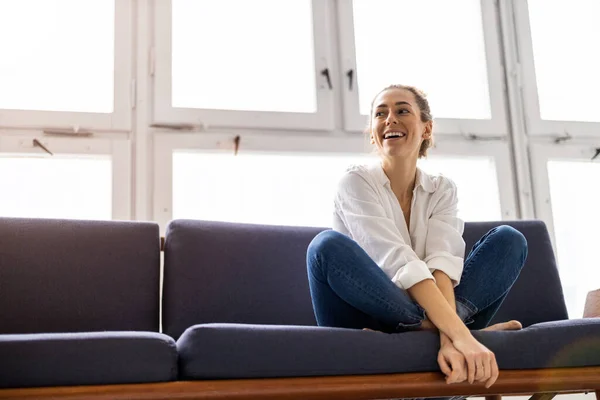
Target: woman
[394,259]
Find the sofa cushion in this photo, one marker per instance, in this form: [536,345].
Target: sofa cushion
[215,351]
[56,359]
[78,276]
[537,295]
[256,274]
[240,273]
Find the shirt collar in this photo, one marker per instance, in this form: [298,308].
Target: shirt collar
[422,179]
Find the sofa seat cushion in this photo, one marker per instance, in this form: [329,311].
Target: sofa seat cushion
[213,351]
[96,358]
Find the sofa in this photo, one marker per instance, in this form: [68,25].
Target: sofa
[81,317]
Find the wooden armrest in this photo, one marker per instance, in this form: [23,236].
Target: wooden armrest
[592,305]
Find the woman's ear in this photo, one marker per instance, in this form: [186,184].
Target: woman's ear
[428,129]
[372,139]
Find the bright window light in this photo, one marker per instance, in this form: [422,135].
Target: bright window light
[57,55]
[299,189]
[58,187]
[436,45]
[244,55]
[574,193]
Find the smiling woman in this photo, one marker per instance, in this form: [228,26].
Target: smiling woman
[395,259]
[404,109]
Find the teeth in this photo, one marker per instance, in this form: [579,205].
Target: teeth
[393,134]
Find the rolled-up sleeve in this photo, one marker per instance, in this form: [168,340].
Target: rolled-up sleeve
[445,246]
[358,206]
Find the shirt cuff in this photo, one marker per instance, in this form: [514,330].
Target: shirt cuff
[450,265]
[412,273]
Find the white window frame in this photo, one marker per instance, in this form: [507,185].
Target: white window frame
[120,118]
[497,125]
[528,82]
[166,143]
[119,150]
[541,153]
[166,114]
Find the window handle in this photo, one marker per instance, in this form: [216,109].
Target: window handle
[37,143]
[597,153]
[325,73]
[350,75]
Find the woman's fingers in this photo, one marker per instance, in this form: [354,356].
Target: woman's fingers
[471,368]
[495,373]
[480,374]
[444,365]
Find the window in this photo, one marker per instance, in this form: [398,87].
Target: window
[83,179]
[575,195]
[559,79]
[220,68]
[566,200]
[427,42]
[68,63]
[199,177]
[257,188]
[566,75]
[64,187]
[299,189]
[476,181]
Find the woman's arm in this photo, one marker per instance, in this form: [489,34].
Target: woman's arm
[444,283]
[438,310]
[481,362]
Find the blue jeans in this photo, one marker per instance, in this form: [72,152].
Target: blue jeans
[349,290]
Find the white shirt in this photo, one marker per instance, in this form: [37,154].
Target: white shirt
[367,210]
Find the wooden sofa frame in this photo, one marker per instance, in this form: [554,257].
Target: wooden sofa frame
[544,384]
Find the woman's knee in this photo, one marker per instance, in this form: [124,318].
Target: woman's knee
[512,241]
[326,243]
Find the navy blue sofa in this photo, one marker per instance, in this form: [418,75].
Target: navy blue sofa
[79,304]
[79,318]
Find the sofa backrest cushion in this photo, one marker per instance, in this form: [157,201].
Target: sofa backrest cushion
[243,273]
[256,274]
[76,276]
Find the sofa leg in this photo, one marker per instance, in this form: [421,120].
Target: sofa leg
[543,396]
[494,397]
[597,394]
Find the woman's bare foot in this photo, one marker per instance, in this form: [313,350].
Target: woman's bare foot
[505,326]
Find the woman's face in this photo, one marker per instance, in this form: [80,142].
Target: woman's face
[396,127]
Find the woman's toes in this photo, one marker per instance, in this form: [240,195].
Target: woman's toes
[514,325]
[505,326]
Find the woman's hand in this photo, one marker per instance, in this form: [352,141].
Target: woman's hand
[481,362]
[452,363]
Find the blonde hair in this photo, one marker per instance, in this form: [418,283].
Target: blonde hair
[423,104]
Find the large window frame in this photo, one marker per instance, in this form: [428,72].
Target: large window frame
[165,114]
[541,153]
[119,150]
[497,125]
[165,143]
[124,90]
[536,126]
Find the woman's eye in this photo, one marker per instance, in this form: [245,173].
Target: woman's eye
[379,114]
[402,111]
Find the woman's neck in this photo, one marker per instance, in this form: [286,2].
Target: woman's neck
[402,175]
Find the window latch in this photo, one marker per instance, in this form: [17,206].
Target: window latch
[350,75]
[37,143]
[325,73]
[597,153]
